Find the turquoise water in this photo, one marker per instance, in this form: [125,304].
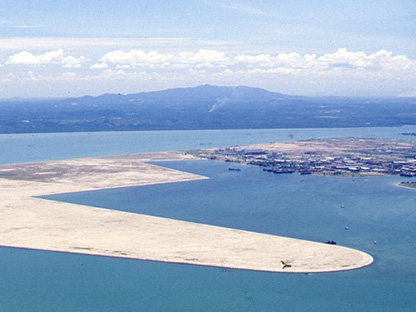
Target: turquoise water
[305,207]
[16,148]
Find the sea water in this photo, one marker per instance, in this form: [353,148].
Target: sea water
[378,217]
[17,148]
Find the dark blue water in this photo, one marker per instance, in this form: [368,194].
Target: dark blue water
[307,207]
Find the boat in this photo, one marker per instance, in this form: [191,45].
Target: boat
[283,170]
[234,169]
[331,242]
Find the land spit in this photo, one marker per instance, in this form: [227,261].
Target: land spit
[35,223]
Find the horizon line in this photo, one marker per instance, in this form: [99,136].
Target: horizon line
[198,86]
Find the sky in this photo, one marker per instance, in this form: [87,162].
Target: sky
[318,48]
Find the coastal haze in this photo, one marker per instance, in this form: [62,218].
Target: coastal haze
[202,107]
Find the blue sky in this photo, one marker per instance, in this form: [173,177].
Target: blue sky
[60,48]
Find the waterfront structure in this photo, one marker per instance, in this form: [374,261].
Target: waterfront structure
[347,156]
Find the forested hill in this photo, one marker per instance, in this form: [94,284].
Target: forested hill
[203,107]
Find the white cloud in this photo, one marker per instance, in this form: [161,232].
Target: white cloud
[291,72]
[341,60]
[51,57]
[114,74]
[153,59]
[71,61]
[295,60]
[259,59]
[136,58]
[381,60]
[101,65]
[204,57]
[23,58]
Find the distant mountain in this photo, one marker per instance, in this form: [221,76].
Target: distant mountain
[210,93]
[202,107]
[205,93]
[202,98]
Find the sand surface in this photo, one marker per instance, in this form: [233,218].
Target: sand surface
[29,222]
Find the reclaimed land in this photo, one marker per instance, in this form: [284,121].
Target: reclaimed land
[34,223]
[338,157]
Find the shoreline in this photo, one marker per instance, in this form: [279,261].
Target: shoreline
[411,186]
[332,157]
[41,224]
